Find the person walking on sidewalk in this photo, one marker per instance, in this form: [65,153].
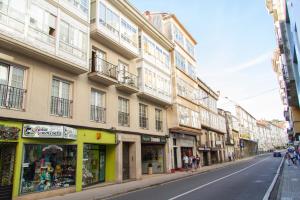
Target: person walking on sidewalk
[185,160]
[288,158]
[198,161]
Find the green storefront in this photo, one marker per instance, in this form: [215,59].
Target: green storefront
[52,157]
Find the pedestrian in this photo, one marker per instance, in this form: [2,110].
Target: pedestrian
[185,160]
[288,158]
[194,164]
[229,156]
[191,161]
[197,161]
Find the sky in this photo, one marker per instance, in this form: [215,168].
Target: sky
[235,44]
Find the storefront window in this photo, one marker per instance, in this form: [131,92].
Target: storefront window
[93,164]
[47,167]
[153,156]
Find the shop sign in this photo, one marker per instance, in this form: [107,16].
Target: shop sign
[9,133]
[218,142]
[151,139]
[245,136]
[49,131]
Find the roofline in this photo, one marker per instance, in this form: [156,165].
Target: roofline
[143,23]
[246,111]
[170,15]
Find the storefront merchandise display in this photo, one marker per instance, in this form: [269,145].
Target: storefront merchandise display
[153,155]
[46,167]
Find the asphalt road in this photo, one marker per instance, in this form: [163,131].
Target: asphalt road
[247,180]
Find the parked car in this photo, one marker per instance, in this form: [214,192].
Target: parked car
[276,154]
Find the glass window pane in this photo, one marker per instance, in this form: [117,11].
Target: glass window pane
[3,74]
[17,77]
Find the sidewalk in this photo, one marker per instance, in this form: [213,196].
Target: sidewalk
[106,191]
[289,187]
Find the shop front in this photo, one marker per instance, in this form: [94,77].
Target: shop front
[56,159]
[9,134]
[183,144]
[153,151]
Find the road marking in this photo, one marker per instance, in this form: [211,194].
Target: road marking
[267,195]
[219,179]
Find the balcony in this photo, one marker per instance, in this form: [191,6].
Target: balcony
[103,72]
[123,119]
[12,97]
[17,35]
[61,107]
[98,114]
[109,36]
[127,82]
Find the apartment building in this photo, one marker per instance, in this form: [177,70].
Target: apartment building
[248,138]
[264,136]
[285,59]
[183,116]
[75,106]
[211,140]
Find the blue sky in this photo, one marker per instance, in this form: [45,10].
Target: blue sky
[235,44]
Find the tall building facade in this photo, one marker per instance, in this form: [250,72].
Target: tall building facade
[84,92]
[183,116]
[286,18]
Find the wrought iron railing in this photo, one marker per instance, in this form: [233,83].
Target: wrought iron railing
[123,118]
[61,107]
[103,67]
[11,97]
[127,78]
[98,114]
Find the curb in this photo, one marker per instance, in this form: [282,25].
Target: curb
[272,186]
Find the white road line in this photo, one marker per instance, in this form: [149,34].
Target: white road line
[267,195]
[219,179]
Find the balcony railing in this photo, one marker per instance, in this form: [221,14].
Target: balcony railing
[98,114]
[103,67]
[61,107]
[143,122]
[123,118]
[158,125]
[11,97]
[127,78]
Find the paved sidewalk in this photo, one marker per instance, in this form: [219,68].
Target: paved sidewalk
[289,187]
[146,181]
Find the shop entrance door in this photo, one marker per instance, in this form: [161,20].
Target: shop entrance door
[205,158]
[102,164]
[175,158]
[125,160]
[7,160]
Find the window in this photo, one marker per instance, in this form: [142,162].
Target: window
[128,33]
[123,111]
[97,106]
[150,79]
[191,70]
[178,36]
[123,72]
[149,47]
[179,61]
[42,24]
[143,113]
[12,90]
[184,116]
[72,40]
[189,47]
[82,5]
[109,19]
[195,119]
[60,99]
[158,119]
[47,167]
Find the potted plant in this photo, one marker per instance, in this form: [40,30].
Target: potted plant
[150,171]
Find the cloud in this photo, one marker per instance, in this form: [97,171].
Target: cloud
[251,63]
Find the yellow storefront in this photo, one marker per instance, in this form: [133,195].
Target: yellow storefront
[55,159]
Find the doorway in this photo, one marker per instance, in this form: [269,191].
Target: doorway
[175,158]
[126,174]
[205,158]
[7,160]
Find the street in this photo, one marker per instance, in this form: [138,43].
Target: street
[246,180]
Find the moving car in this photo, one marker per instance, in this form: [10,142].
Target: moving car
[276,154]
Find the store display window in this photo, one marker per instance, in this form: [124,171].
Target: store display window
[93,164]
[153,156]
[47,167]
